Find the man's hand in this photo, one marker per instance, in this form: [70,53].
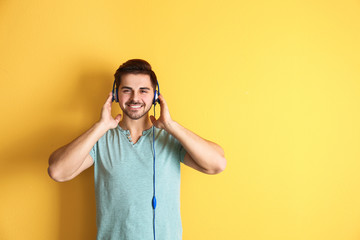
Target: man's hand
[164,121]
[106,119]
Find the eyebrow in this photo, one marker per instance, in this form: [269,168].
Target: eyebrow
[145,88]
[126,88]
[142,88]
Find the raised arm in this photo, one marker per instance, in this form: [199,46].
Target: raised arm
[201,154]
[70,160]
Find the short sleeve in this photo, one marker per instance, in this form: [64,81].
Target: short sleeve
[93,152]
[182,153]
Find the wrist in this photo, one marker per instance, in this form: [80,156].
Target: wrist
[101,126]
[170,126]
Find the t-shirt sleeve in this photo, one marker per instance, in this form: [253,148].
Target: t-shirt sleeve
[93,152]
[182,153]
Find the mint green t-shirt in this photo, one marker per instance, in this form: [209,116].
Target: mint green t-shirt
[124,185]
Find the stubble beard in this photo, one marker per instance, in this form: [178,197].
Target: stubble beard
[135,116]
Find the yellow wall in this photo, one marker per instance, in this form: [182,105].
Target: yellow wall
[276,83]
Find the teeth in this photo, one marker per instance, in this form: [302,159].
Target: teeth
[135,106]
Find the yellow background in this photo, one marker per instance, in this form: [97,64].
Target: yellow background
[275,83]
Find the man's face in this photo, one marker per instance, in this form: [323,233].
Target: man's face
[135,95]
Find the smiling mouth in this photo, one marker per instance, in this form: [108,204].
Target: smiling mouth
[134,106]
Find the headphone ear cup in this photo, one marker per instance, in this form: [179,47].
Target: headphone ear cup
[114,93]
[156,97]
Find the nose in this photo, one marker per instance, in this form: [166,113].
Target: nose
[135,96]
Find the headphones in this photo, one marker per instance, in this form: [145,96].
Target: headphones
[155,101]
[116,98]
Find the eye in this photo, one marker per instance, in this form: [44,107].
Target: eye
[144,91]
[126,91]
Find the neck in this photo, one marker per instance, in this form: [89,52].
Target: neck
[135,126]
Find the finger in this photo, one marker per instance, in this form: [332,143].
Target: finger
[161,97]
[163,103]
[109,99]
[162,100]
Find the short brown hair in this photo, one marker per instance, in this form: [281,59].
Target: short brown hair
[135,66]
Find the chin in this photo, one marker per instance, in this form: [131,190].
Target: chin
[136,116]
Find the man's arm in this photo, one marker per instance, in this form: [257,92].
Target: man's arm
[202,155]
[70,160]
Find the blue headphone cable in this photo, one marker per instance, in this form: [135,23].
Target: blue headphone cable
[153,127]
[154,198]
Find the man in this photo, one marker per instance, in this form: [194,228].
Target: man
[122,151]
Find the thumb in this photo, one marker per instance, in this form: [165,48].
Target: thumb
[152,119]
[118,117]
